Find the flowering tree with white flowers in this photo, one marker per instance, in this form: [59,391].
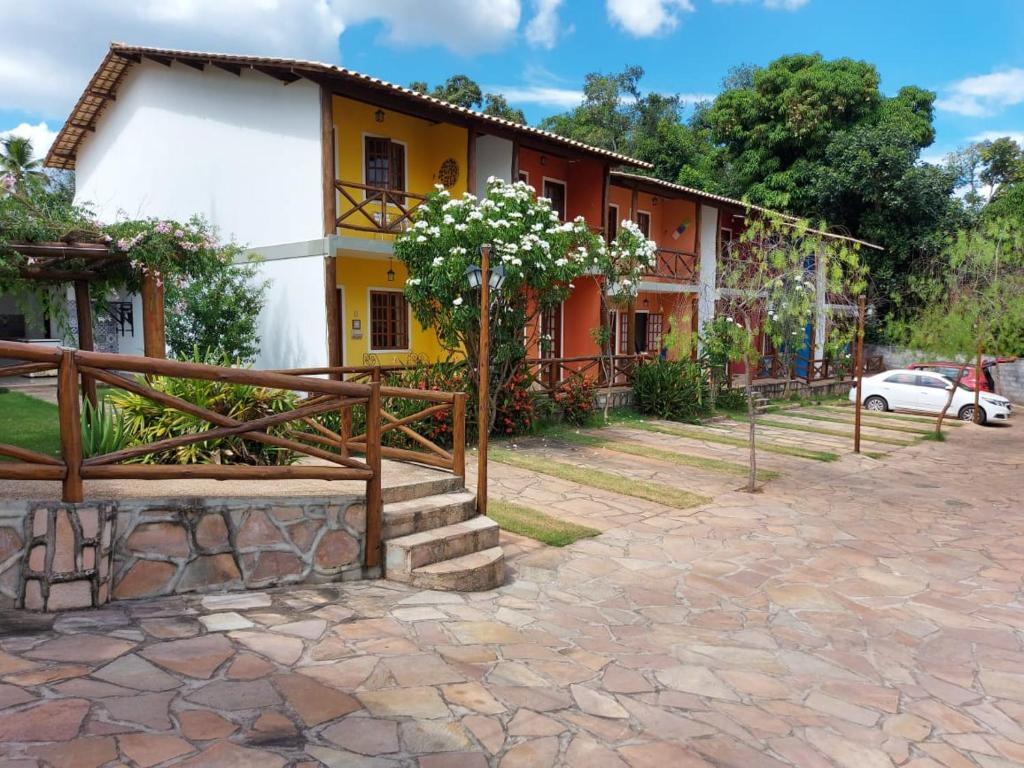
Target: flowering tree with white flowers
[767,285]
[541,255]
[618,271]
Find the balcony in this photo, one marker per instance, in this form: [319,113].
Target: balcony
[376,210]
[681,266]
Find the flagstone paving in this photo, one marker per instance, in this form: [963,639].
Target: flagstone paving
[857,614]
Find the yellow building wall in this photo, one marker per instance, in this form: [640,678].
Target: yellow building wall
[427,145]
[356,277]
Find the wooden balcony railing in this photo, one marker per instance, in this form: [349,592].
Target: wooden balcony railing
[772,367]
[550,373]
[372,209]
[677,265]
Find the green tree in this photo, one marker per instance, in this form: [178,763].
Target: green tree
[541,258]
[216,313]
[1002,164]
[25,172]
[617,115]
[765,286]
[818,138]
[463,91]
[495,104]
[974,299]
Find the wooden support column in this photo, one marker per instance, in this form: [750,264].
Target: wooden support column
[83,308]
[332,299]
[327,160]
[631,312]
[515,160]
[153,331]
[605,224]
[471,185]
[332,313]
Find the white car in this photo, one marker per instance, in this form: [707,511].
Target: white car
[905,390]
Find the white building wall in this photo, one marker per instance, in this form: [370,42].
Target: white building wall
[293,323]
[708,265]
[493,158]
[242,151]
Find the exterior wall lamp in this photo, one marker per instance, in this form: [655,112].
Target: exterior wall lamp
[391,271]
[379,115]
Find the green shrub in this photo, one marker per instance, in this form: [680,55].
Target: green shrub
[731,399]
[103,429]
[145,421]
[671,389]
[576,400]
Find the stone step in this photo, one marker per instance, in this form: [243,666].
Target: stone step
[475,572]
[421,488]
[402,518]
[407,553]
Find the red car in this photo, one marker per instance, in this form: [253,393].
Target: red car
[966,372]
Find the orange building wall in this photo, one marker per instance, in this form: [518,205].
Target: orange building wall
[581,314]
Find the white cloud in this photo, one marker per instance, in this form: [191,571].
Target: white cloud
[984,95]
[51,47]
[647,18]
[40,135]
[548,96]
[771,5]
[1017,136]
[543,29]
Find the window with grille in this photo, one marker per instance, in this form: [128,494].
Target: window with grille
[389,320]
[385,163]
[655,330]
[555,192]
[643,221]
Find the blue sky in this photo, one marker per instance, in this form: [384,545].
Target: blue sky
[538,51]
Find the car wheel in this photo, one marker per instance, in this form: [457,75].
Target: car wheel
[967,414]
[876,403]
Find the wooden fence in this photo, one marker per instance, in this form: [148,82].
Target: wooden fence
[303,434]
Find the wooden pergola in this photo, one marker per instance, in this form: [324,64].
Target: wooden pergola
[81,264]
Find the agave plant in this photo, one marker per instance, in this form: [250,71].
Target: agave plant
[103,429]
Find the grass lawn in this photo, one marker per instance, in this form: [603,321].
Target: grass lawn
[536,525]
[668,495]
[832,432]
[889,415]
[708,435]
[877,423]
[29,423]
[672,457]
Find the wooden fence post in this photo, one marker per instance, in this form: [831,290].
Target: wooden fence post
[68,405]
[459,435]
[374,501]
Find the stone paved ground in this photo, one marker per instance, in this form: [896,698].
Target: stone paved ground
[858,614]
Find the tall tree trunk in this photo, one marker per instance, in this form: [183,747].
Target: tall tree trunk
[949,401]
[977,385]
[751,412]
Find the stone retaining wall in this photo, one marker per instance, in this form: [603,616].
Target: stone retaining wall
[55,556]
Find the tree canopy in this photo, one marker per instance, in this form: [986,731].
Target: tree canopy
[463,91]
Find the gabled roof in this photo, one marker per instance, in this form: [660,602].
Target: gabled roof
[102,88]
[657,186]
